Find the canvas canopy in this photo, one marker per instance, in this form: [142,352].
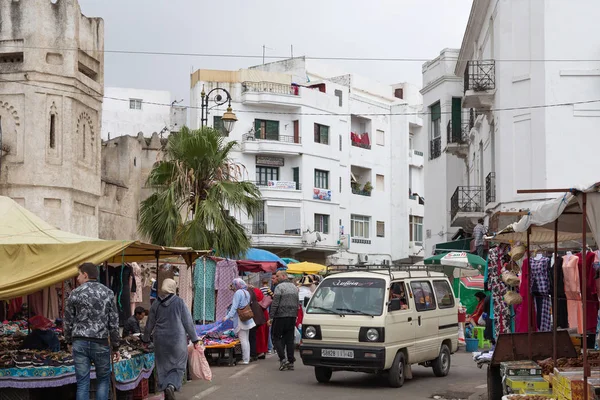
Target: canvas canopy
[35,255]
[567,209]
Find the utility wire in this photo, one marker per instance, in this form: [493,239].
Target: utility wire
[282,57]
[533,107]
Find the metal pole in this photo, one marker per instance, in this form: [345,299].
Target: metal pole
[531,297]
[586,366]
[555,294]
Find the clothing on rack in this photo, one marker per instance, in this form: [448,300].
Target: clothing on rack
[226,272]
[591,316]
[186,285]
[540,288]
[499,289]
[120,281]
[521,322]
[562,316]
[573,292]
[204,293]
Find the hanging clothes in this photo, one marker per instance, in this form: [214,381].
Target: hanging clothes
[539,279]
[499,289]
[204,293]
[137,296]
[226,272]
[562,316]
[120,282]
[573,292]
[521,323]
[186,285]
[591,316]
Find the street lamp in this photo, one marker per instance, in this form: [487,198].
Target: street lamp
[228,117]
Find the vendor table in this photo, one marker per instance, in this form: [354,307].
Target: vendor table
[226,353]
[128,374]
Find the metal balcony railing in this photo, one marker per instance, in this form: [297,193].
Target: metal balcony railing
[250,137]
[435,148]
[466,199]
[456,133]
[270,87]
[256,228]
[490,188]
[480,75]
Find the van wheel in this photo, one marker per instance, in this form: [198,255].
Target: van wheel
[441,365]
[398,370]
[323,374]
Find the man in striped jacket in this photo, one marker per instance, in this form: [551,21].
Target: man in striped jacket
[284,310]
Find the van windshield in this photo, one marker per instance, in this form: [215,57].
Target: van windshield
[348,296]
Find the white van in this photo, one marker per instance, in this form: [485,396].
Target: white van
[378,321]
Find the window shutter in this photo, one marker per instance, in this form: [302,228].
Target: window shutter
[436,112]
[456,118]
[324,134]
[317,136]
[272,130]
[257,128]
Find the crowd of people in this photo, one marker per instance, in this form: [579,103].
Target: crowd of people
[264,319]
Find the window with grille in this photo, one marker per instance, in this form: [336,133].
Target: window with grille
[321,179]
[359,226]
[321,134]
[322,223]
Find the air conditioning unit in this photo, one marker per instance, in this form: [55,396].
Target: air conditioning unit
[363,258]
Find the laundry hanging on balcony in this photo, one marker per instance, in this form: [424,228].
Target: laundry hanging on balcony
[360,140]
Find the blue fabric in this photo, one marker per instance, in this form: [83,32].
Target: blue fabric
[85,352]
[220,326]
[262,255]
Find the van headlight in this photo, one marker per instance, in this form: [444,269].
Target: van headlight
[372,335]
[310,332]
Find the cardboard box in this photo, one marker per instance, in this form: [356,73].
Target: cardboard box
[516,383]
[520,368]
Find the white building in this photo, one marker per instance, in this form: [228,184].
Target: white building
[493,123]
[128,111]
[301,133]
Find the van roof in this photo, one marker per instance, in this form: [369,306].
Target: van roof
[387,274]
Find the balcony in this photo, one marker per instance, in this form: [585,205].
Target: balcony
[435,148]
[276,144]
[262,237]
[270,93]
[256,228]
[457,142]
[466,206]
[490,188]
[479,84]
[360,181]
[280,190]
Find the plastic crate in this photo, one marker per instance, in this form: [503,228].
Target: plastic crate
[142,391]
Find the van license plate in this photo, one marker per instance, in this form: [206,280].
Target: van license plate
[337,353]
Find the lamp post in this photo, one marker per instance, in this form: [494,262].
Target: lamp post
[228,117]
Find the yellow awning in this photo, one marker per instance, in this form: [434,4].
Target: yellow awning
[35,255]
[305,268]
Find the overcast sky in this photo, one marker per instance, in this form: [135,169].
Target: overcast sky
[330,28]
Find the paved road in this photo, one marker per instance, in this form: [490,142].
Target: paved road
[264,380]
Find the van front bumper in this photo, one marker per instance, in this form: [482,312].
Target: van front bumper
[366,359]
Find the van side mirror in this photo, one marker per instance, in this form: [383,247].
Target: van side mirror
[394,305]
[306,300]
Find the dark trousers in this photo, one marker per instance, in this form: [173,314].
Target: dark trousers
[283,332]
[252,339]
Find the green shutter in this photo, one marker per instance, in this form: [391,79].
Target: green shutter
[272,130]
[257,128]
[324,134]
[436,111]
[456,117]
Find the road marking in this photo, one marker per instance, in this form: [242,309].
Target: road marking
[206,392]
[243,371]
[481,387]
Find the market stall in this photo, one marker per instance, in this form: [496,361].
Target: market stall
[556,224]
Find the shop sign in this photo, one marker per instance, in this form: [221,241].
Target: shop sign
[321,194]
[284,185]
[270,161]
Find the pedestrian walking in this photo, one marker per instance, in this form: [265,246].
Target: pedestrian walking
[90,317]
[284,311]
[241,299]
[170,324]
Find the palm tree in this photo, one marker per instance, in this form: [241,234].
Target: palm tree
[196,187]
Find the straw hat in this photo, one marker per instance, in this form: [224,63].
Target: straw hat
[517,252]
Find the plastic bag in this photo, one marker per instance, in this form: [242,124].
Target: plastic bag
[199,368]
[298,335]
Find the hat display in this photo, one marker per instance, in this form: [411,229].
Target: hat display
[517,252]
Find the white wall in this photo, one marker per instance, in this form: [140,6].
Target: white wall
[118,119]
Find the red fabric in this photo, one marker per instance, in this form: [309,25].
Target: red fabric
[365,139]
[14,306]
[478,312]
[262,336]
[591,315]
[39,322]
[258,266]
[300,316]
[521,325]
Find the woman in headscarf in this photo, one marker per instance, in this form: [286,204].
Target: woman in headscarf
[170,324]
[241,299]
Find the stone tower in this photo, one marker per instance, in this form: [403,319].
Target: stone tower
[51,88]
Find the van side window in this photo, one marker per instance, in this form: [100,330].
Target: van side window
[398,291]
[443,293]
[423,294]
